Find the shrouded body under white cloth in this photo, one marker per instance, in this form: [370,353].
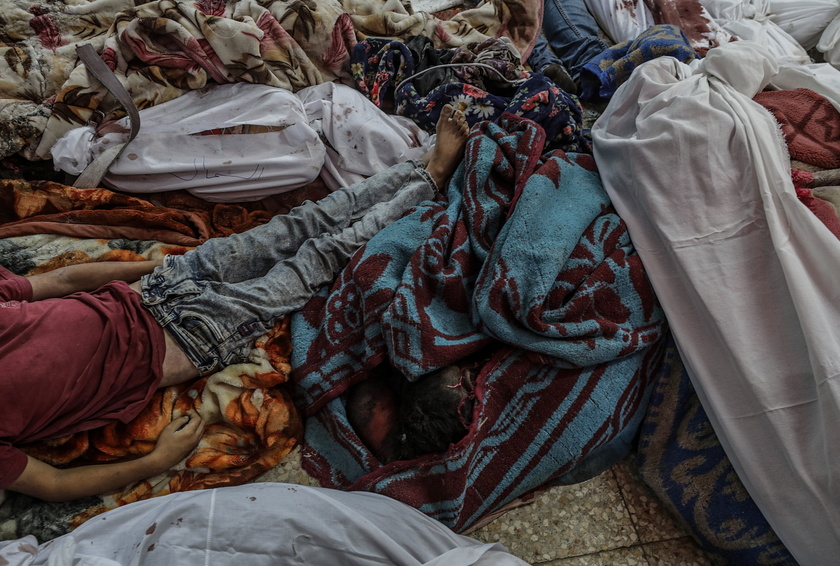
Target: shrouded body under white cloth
[262,523]
[747,275]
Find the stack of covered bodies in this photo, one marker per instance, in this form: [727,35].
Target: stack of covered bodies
[449,282]
[746,275]
[593,345]
[161,50]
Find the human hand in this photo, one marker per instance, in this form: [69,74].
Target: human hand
[177,439]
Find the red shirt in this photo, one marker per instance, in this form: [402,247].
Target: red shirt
[71,364]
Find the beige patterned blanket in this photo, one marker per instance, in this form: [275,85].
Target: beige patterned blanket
[162,49]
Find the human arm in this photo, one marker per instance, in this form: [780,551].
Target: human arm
[55,484]
[87,277]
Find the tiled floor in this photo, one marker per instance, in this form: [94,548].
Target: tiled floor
[610,520]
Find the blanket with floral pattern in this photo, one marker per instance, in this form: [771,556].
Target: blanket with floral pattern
[252,422]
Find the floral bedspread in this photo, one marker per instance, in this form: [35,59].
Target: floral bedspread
[252,424]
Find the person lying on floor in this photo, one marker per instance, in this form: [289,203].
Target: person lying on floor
[569,39]
[79,347]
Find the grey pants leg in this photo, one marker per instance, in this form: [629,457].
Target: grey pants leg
[218,298]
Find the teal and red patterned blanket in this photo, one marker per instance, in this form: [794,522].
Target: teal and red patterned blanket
[527,266]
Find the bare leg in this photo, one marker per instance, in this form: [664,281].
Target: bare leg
[451,139]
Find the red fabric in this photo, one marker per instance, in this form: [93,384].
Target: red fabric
[821,209]
[801,179]
[71,364]
[809,123]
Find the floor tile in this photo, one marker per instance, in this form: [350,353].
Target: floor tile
[632,556]
[565,521]
[652,520]
[676,552]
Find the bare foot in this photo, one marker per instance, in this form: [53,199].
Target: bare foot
[452,131]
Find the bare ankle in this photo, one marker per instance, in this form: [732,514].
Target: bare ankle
[452,131]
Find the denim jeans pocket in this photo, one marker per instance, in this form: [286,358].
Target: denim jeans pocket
[158,289]
[203,331]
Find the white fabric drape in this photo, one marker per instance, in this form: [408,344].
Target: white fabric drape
[170,153]
[269,524]
[805,20]
[747,275]
[750,20]
[822,78]
[363,140]
[173,151]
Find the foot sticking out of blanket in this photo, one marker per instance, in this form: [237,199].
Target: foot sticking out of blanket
[401,420]
[451,138]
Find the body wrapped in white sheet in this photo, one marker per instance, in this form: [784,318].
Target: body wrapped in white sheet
[267,524]
[805,20]
[746,274]
[362,139]
[189,143]
[750,20]
[241,142]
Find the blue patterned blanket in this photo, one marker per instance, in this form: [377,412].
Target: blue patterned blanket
[602,76]
[682,461]
[525,265]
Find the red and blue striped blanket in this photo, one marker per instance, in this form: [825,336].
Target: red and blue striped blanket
[526,264]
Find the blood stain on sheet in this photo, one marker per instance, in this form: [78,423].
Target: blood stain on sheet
[252,498]
[151,529]
[630,6]
[151,548]
[695,21]
[132,156]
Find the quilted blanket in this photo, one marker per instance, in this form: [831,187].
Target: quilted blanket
[252,422]
[526,267]
[178,218]
[164,48]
